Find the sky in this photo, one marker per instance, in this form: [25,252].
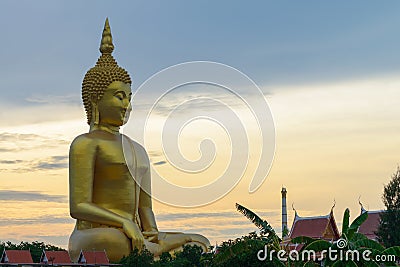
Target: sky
[330,72]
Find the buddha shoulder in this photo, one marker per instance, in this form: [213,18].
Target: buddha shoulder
[86,142]
[140,152]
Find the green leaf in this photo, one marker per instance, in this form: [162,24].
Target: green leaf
[370,264]
[356,224]
[344,264]
[310,264]
[346,218]
[263,225]
[392,251]
[302,240]
[368,243]
[318,245]
[248,245]
[374,252]
[358,236]
[277,262]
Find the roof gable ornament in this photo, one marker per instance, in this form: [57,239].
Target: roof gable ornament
[334,205]
[361,205]
[43,258]
[295,211]
[4,258]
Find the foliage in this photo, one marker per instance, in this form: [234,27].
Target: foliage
[263,225]
[36,248]
[266,229]
[354,241]
[285,231]
[243,252]
[389,228]
[138,258]
[189,256]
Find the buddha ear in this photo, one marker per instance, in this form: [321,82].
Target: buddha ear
[95,111]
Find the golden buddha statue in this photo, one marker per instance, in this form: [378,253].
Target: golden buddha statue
[112,207]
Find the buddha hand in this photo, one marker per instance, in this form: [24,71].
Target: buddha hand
[133,232]
[152,235]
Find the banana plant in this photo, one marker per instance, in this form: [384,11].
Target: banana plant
[266,229]
[243,251]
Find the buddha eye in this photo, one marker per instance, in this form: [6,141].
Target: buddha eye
[119,96]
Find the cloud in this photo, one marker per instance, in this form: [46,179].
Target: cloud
[18,136]
[55,99]
[49,163]
[35,113]
[194,98]
[47,219]
[224,214]
[12,195]
[10,161]
[55,162]
[160,162]
[14,142]
[51,166]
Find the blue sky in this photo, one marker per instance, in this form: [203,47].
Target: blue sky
[48,45]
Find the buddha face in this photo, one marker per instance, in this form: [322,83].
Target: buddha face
[114,105]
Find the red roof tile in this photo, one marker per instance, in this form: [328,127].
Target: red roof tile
[370,226]
[311,227]
[17,256]
[314,227]
[93,257]
[56,257]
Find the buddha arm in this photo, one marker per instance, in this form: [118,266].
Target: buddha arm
[81,169]
[146,214]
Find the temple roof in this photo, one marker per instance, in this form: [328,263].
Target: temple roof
[55,257]
[370,226]
[93,257]
[16,256]
[316,227]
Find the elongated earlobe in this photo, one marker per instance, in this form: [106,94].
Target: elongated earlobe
[95,114]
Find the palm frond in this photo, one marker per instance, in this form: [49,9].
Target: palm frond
[232,251]
[358,236]
[392,251]
[345,224]
[318,245]
[356,224]
[263,225]
[368,243]
[344,264]
[302,240]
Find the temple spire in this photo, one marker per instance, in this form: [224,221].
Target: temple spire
[106,46]
[284,212]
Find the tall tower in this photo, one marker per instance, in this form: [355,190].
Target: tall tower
[284,213]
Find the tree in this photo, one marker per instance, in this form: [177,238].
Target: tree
[243,251]
[138,258]
[266,229]
[389,228]
[189,256]
[36,248]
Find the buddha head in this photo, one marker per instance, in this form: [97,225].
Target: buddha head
[106,87]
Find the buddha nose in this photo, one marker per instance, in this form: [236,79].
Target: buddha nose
[127,109]
[126,104]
